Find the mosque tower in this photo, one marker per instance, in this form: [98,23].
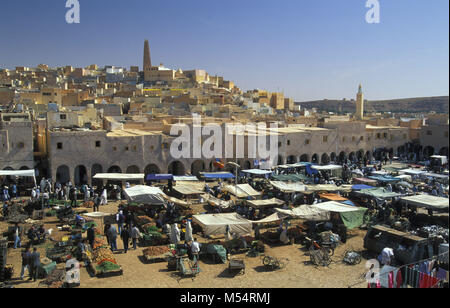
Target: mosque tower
[147,61]
[359,104]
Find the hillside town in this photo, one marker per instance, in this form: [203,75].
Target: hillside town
[88,176]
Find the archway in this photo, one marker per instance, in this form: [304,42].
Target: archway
[315,159]
[291,159]
[63,174]
[176,168]
[197,167]
[342,157]
[443,151]
[304,158]
[96,168]
[428,151]
[333,157]
[151,169]
[133,169]
[325,159]
[360,155]
[352,156]
[368,155]
[114,169]
[80,175]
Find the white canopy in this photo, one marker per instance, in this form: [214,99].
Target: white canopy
[272,218]
[288,187]
[412,171]
[119,176]
[307,212]
[187,189]
[218,202]
[404,177]
[328,187]
[380,172]
[265,203]
[215,224]
[144,194]
[328,167]
[185,178]
[427,201]
[337,207]
[242,190]
[257,171]
[28,173]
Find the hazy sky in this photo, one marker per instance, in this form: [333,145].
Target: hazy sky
[310,49]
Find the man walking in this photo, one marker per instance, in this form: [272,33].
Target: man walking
[125,235]
[96,203]
[120,220]
[112,235]
[26,260]
[35,263]
[16,235]
[135,235]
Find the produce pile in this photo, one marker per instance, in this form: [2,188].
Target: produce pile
[150,227]
[99,242]
[156,251]
[101,255]
[143,220]
[107,266]
[87,204]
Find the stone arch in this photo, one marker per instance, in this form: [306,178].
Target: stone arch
[197,167]
[342,157]
[325,159]
[315,159]
[360,154]
[114,169]
[352,156]
[96,168]
[80,175]
[444,151]
[292,159]
[333,157]
[428,151]
[304,158]
[63,174]
[176,168]
[133,169]
[152,169]
[369,155]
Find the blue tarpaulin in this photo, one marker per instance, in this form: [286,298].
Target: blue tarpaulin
[156,177]
[348,202]
[361,186]
[217,175]
[310,170]
[387,179]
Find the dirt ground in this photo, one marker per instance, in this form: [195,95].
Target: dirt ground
[298,273]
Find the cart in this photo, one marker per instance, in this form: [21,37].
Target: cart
[273,263]
[187,268]
[237,266]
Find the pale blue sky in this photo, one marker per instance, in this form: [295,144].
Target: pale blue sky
[308,49]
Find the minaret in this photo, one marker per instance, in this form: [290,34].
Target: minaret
[359,104]
[147,61]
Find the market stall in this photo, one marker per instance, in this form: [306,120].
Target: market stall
[365,181]
[290,178]
[242,191]
[216,224]
[288,187]
[19,173]
[119,176]
[427,201]
[144,194]
[259,204]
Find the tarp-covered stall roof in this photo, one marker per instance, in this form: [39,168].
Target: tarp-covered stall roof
[380,193]
[119,176]
[412,171]
[215,224]
[158,177]
[384,178]
[257,171]
[213,201]
[427,201]
[288,187]
[328,187]
[185,189]
[351,216]
[332,197]
[265,203]
[242,190]
[144,194]
[337,207]
[361,186]
[27,173]
[328,167]
[290,177]
[183,178]
[217,175]
[272,218]
[307,212]
[365,181]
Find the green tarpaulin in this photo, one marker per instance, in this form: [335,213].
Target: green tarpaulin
[354,219]
[219,250]
[290,177]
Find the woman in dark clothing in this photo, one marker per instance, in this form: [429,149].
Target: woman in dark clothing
[125,235]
